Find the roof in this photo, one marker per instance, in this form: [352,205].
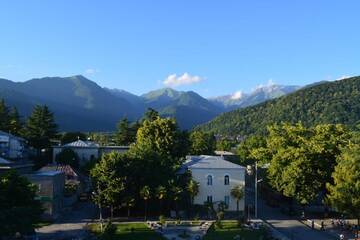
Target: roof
[66,169]
[11,136]
[4,161]
[208,162]
[81,143]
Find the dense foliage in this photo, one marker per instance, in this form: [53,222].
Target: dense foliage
[10,120]
[344,193]
[302,159]
[68,157]
[330,102]
[19,210]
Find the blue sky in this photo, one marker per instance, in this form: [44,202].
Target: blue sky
[223,46]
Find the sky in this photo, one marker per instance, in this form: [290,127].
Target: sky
[208,46]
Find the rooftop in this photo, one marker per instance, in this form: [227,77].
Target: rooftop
[208,162]
[81,143]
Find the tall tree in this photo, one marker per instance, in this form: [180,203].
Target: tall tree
[302,159]
[109,180]
[238,193]
[19,211]
[68,157]
[202,143]
[344,193]
[162,135]
[15,123]
[145,194]
[4,116]
[246,149]
[40,127]
[151,114]
[161,193]
[124,133]
[224,145]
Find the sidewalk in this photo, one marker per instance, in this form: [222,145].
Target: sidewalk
[329,228]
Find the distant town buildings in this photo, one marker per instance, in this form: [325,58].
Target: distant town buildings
[87,150]
[14,154]
[216,177]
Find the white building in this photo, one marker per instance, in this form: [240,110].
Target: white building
[216,178]
[87,150]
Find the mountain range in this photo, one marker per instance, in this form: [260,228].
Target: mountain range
[80,104]
[318,103]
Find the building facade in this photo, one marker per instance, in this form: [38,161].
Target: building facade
[87,150]
[216,178]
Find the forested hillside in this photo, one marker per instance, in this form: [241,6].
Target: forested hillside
[330,102]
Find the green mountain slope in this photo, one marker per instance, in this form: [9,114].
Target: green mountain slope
[189,108]
[78,103]
[331,102]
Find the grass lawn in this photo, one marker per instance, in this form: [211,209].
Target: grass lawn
[123,232]
[230,230]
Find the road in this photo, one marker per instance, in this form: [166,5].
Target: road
[292,228]
[70,225]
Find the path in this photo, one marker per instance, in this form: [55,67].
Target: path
[70,225]
[292,228]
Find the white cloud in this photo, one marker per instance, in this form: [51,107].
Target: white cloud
[237,95]
[91,71]
[186,79]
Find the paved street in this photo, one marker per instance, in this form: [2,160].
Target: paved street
[71,225]
[292,228]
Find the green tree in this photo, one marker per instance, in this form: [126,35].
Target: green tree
[125,134]
[19,211]
[224,145]
[69,137]
[161,193]
[162,135]
[15,123]
[202,143]
[151,114]
[193,189]
[344,193]
[249,148]
[68,157]
[4,116]
[145,194]
[109,180]
[238,193]
[176,193]
[302,159]
[40,127]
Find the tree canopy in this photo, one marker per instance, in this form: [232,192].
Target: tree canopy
[19,210]
[302,159]
[40,127]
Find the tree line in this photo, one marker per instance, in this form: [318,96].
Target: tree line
[148,171]
[305,163]
[331,102]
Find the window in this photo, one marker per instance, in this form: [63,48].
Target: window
[209,199]
[227,200]
[209,180]
[226,180]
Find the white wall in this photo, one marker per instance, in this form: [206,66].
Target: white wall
[84,154]
[218,190]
